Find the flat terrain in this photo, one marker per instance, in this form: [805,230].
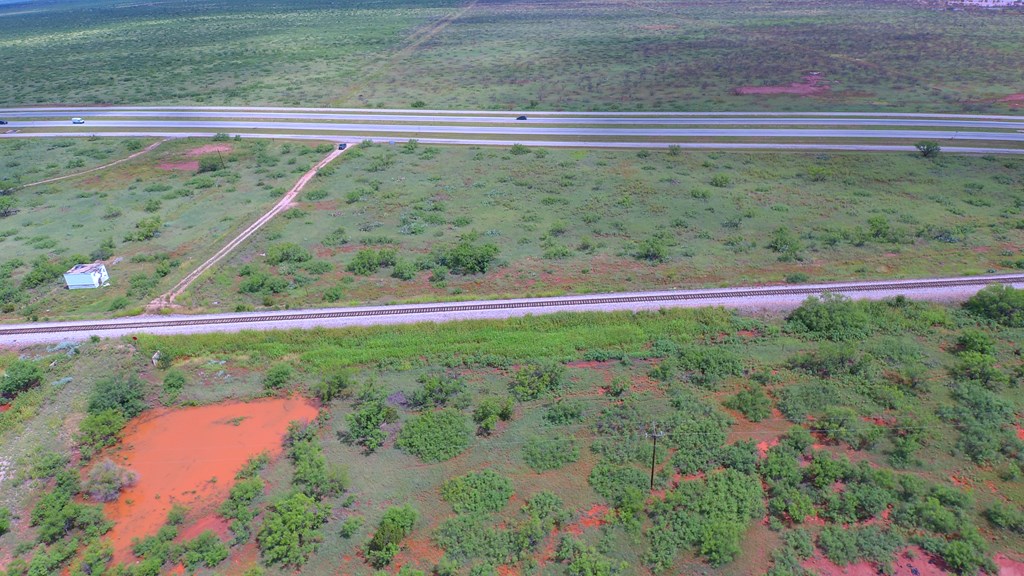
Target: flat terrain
[578,221]
[907,405]
[151,219]
[26,161]
[485,54]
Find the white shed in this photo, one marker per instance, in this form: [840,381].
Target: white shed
[87,276]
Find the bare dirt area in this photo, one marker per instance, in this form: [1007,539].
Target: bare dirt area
[1008,566]
[1014,100]
[190,456]
[190,166]
[208,149]
[911,562]
[811,85]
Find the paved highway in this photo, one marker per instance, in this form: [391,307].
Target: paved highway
[488,127]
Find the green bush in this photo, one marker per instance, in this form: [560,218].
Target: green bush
[118,393]
[364,424]
[395,525]
[313,474]
[205,549]
[844,545]
[436,390]
[5,521]
[1001,303]
[533,381]
[832,317]
[542,454]
[332,386]
[367,261]
[174,381]
[490,410]
[99,430]
[404,270]
[467,257]
[145,229]
[435,436]
[350,526]
[564,412]
[19,376]
[337,237]
[278,376]
[1001,515]
[484,491]
[292,529]
[651,250]
[287,252]
[752,402]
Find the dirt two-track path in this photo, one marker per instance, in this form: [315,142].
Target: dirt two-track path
[286,201]
[104,167]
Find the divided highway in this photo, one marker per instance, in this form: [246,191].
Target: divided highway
[607,129]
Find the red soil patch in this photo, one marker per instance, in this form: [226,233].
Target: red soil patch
[208,149]
[811,85]
[189,456]
[504,570]
[1008,566]
[190,166]
[242,559]
[418,552]
[911,562]
[594,517]
[5,407]
[1014,100]
[1020,431]
[765,445]
[211,522]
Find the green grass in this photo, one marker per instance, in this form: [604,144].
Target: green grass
[28,160]
[594,349]
[68,220]
[648,55]
[574,221]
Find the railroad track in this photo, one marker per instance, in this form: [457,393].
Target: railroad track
[535,303]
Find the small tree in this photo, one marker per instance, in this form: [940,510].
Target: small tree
[928,148]
[20,376]
[291,530]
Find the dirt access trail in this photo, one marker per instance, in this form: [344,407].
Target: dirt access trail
[105,166]
[167,299]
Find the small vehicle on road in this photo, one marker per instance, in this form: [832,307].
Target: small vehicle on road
[521,118]
[78,120]
[3,122]
[342,146]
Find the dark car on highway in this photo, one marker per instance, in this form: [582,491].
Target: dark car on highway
[521,118]
[3,121]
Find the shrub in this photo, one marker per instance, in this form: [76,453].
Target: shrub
[928,148]
[291,529]
[313,474]
[404,270]
[848,545]
[785,243]
[118,393]
[395,525]
[532,381]
[435,436]
[1004,304]
[466,257]
[174,381]
[368,261]
[350,526]
[145,229]
[490,411]
[336,238]
[651,250]
[975,341]
[209,164]
[720,180]
[364,424]
[287,252]
[99,430]
[833,317]
[106,480]
[1001,515]
[437,389]
[565,412]
[542,454]
[332,386]
[19,376]
[5,521]
[278,376]
[484,491]
[752,402]
[205,549]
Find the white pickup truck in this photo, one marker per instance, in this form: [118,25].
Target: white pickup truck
[78,120]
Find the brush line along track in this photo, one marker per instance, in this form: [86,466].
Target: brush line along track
[881,286]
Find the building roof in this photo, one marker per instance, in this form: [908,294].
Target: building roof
[86,268]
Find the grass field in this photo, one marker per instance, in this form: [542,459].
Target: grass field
[28,161]
[646,55]
[576,221]
[151,219]
[891,395]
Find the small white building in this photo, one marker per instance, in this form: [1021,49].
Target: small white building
[86,276]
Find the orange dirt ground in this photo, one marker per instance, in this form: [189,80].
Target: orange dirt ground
[190,166]
[920,564]
[1008,566]
[190,456]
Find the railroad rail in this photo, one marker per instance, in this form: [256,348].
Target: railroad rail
[575,302]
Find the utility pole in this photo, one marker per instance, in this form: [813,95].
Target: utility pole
[655,434]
